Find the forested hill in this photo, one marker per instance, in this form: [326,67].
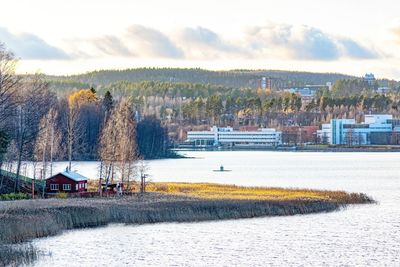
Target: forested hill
[232,78]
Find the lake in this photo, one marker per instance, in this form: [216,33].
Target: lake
[357,236]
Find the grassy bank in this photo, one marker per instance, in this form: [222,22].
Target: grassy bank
[24,220]
[232,192]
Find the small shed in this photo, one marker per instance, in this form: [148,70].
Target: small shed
[67,181]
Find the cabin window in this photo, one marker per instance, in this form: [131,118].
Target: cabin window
[66,187]
[77,187]
[53,187]
[85,186]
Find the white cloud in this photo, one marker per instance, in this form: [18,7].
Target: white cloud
[303,42]
[29,46]
[152,43]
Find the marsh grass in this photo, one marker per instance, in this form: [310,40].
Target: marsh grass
[212,191]
[24,220]
[233,192]
[14,255]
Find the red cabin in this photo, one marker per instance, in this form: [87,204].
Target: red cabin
[68,182]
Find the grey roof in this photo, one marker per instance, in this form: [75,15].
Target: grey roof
[73,176]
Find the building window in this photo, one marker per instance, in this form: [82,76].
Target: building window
[76,187]
[54,187]
[85,186]
[67,187]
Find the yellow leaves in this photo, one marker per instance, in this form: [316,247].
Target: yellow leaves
[82,97]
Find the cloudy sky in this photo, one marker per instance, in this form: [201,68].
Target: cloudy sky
[65,37]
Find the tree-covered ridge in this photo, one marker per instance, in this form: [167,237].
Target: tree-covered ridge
[171,89]
[230,78]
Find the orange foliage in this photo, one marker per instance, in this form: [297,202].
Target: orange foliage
[82,97]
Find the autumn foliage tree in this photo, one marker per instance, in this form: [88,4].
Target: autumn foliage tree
[83,123]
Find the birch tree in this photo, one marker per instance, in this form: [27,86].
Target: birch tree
[118,143]
[48,141]
[34,100]
[9,84]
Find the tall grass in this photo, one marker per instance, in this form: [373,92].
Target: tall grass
[24,220]
[233,192]
[12,255]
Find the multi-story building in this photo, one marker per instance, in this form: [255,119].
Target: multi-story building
[306,93]
[264,137]
[375,130]
[369,78]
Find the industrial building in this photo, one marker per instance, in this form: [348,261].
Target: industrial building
[264,137]
[375,130]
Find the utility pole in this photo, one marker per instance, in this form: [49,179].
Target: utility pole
[143,183]
[33,187]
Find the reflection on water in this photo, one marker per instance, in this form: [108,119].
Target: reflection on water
[358,236]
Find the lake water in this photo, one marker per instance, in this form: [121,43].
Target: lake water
[364,235]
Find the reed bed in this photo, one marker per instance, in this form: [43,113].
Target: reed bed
[232,192]
[219,191]
[14,255]
[24,220]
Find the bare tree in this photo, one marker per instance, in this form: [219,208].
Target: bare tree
[350,137]
[118,143]
[34,100]
[48,141]
[47,144]
[9,84]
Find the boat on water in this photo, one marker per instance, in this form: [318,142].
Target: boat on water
[222,169]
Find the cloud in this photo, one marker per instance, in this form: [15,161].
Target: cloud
[153,43]
[206,43]
[112,45]
[303,42]
[29,46]
[355,50]
[269,41]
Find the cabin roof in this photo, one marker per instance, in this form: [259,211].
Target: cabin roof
[72,175]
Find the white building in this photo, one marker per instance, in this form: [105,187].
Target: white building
[383,90]
[228,137]
[374,130]
[369,78]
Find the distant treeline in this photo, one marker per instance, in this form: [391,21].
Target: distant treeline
[231,78]
[183,98]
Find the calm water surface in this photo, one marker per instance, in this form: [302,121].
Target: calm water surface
[365,235]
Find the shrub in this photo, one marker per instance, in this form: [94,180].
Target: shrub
[14,196]
[62,195]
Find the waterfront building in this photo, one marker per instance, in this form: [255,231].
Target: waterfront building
[67,181]
[383,90]
[263,137]
[369,78]
[375,130]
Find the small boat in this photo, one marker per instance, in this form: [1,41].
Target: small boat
[222,169]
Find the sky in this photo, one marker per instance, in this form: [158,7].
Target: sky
[75,36]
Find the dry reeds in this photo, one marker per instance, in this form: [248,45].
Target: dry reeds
[175,202]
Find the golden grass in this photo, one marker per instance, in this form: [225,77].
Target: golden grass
[225,192]
[219,191]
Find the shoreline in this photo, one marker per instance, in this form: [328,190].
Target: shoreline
[297,149]
[24,220]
